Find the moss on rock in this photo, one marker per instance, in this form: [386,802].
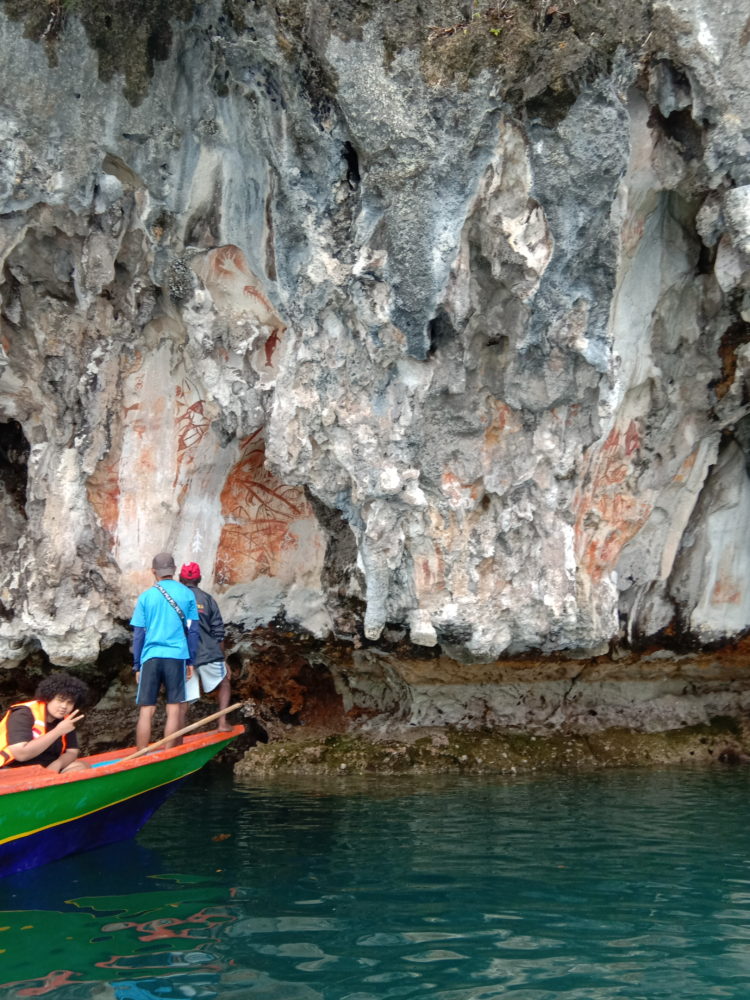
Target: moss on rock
[535,52]
[531,49]
[129,37]
[494,752]
[536,49]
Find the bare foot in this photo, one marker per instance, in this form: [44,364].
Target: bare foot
[224,728]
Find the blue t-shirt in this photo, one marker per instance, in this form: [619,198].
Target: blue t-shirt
[165,635]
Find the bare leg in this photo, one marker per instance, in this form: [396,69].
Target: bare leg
[225,693]
[143,727]
[77,765]
[184,705]
[173,722]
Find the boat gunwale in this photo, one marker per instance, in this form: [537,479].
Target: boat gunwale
[18,779]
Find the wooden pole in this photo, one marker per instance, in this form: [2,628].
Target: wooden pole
[180,732]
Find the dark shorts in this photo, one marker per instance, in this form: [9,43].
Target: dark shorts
[157,671]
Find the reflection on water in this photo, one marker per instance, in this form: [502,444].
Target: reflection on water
[115,940]
[632,885]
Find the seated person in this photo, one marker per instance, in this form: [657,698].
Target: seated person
[42,731]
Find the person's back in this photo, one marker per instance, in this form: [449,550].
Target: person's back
[209,658]
[165,636]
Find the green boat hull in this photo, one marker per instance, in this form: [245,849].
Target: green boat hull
[44,816]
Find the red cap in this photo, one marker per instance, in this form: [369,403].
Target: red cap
[190,571]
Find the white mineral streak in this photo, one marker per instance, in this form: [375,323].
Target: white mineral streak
[508,356]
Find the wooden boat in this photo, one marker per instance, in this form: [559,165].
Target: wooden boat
[45,816]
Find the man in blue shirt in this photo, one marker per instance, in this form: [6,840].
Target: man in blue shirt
[165,639]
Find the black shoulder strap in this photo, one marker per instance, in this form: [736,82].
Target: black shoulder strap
[176,606]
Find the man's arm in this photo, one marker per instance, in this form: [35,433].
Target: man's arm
[139,637]
[193,640]
[193,630]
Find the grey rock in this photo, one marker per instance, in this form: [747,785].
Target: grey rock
[308,289]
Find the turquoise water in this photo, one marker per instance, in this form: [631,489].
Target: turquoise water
[622,884]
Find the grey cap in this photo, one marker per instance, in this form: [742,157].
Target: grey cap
[163,563]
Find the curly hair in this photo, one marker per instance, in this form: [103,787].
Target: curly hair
[62,683]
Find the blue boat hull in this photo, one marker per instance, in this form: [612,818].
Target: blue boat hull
[120,821]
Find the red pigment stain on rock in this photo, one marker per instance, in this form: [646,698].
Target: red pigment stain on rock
[429,574]
[607,515]
[726,590]
[686,467]
[632,438]
[226,271]
[103,489]
[502,418]
[192,422]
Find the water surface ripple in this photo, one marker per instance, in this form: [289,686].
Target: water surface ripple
[625,884]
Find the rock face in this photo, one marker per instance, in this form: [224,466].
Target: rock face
[434,318]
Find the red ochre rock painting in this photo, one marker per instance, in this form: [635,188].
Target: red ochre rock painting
[727,589]
[607,515]
[191,422]
[103,488]
[504,418]
[103,485]
[270,346]
[191,425]
[258,511]
[429,569]
[227,275]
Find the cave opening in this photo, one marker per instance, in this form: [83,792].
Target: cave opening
[14,460]
[351,158]
[682,129]
[441,331]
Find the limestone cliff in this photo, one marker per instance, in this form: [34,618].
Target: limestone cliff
[430,317]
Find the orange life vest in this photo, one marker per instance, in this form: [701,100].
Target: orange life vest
[39,728]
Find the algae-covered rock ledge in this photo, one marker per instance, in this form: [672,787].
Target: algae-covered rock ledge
[402,714]
[493,752]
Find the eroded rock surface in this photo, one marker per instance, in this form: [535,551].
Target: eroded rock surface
[435,319]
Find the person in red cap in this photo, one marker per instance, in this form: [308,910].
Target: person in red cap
[209,660]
